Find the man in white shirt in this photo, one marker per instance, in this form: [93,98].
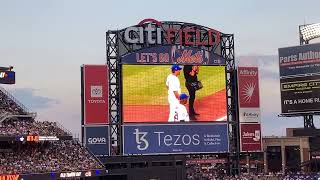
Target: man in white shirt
[181,113]
[174,90]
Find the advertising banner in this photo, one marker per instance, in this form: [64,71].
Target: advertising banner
[164,36]
[173,54]
[249,115]
[250,138]
[299,60]
[97,140]
[300,94]
[95,94]
[248,85]
[56,175]
[175,138]
[7,77]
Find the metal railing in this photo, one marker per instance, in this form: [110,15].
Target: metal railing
[3,116]
[91,153]
[25,109]
[7,115]
[63,128]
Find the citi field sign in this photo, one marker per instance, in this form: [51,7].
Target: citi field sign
[151,31]
[168,42]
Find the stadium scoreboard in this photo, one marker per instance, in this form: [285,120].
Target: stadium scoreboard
[7,77]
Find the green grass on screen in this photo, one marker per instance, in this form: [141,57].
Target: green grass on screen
[146,84]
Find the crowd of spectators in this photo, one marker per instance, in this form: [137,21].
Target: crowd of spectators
[38,157]
[44,157]
[211,172]
[196,173]
[13,127]
[8,105]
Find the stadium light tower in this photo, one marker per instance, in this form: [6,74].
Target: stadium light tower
[309,32]
[306,33]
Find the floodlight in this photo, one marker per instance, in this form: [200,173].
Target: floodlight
[310,31]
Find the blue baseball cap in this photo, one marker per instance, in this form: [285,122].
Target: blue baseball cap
[175,67]
[183,96]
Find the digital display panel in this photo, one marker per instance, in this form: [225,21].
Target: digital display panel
[7,77]
[146,96]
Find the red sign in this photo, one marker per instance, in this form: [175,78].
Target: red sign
[248,81]
[33,138]
[250,137]
[95,94]
[9,177]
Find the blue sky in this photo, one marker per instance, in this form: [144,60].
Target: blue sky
[47,41]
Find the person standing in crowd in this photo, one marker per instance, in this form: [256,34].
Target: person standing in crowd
[174,90]
[191,75]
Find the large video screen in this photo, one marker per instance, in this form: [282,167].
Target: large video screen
[145,94]
[7,77]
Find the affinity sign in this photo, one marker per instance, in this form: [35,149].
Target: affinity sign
[248,80]
[249,115]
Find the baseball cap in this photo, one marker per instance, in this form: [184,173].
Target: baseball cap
[175,67]
[183,96]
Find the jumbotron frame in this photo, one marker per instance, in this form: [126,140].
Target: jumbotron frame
[113,58]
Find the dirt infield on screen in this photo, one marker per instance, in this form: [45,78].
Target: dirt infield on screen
[145,95]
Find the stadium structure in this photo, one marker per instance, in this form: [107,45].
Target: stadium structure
[38,150]
[126,134]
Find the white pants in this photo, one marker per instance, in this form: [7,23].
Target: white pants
[172,113]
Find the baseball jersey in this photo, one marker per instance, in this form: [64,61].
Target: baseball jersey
[181,114]
[173,84]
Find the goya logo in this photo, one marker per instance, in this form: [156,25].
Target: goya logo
[97,140]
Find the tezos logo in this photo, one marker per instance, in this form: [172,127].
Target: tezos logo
[97,140]
[96,91]
[142,142]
